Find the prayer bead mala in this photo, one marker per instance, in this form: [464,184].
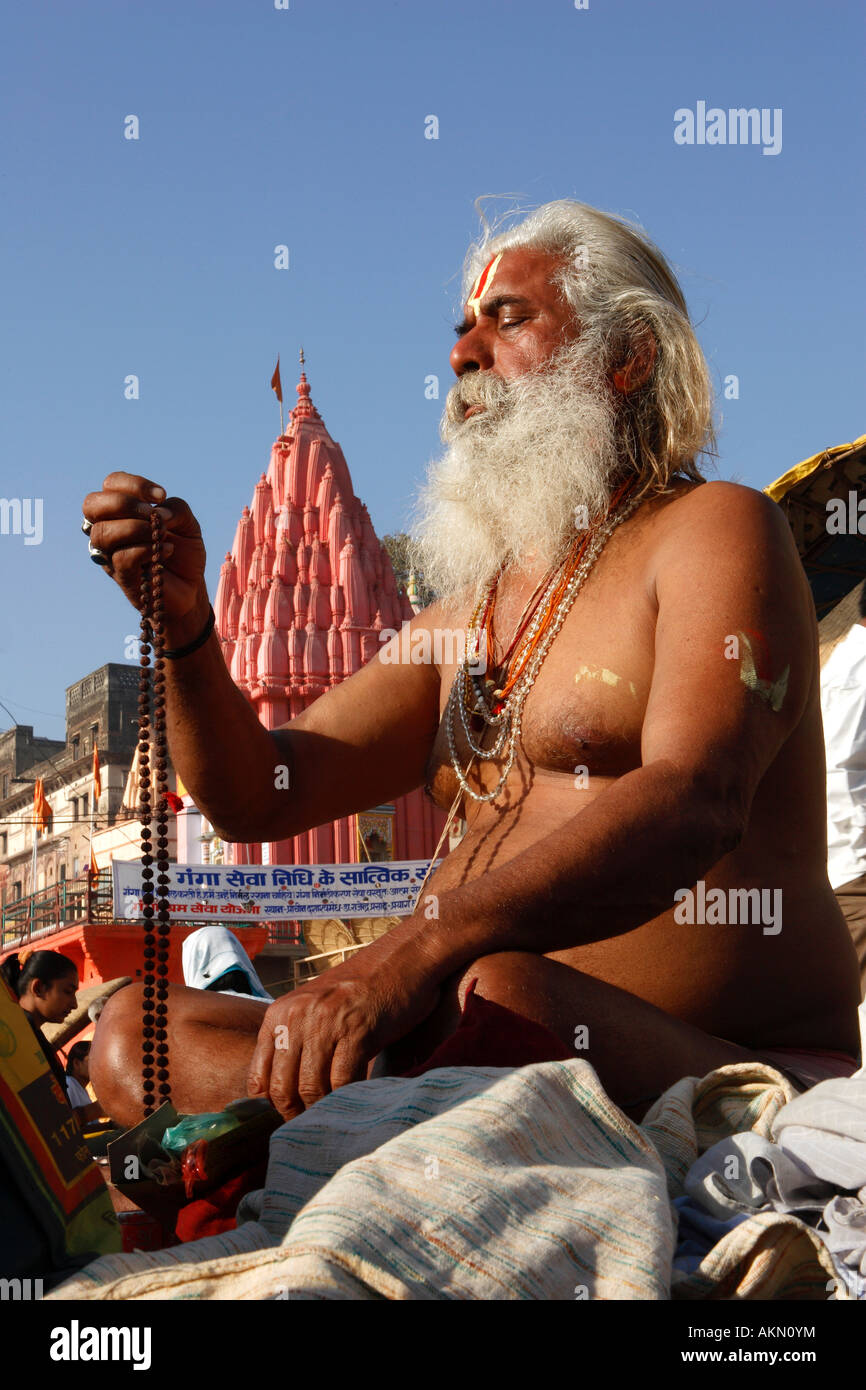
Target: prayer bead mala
[153,807]
[501,709]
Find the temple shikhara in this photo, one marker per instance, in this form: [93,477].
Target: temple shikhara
[302,598]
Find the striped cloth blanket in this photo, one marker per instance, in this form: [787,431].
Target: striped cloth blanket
[484,1183]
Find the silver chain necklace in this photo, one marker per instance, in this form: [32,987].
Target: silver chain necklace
[509,719]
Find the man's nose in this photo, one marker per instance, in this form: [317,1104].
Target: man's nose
[472,352]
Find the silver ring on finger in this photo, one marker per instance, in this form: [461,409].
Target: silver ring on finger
[86,526]
[98,557]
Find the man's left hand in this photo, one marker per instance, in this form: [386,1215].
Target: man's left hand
[324,1034]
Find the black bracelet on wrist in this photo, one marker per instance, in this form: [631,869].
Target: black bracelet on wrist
[197,642]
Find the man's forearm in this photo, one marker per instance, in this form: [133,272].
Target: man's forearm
[223,754]
[610,868]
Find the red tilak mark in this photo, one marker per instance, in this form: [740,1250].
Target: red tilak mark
[482,284]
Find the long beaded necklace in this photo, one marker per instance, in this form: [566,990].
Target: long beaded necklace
[152,735]
[486,620]
[501,709]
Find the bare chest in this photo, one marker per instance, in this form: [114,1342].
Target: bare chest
[585,711]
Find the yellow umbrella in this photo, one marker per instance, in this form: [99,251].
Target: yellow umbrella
[822,498]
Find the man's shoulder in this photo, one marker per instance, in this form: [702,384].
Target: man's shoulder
[718,499]
[725,515]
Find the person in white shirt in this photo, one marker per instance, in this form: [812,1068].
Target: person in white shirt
[77,1077]
[843,706]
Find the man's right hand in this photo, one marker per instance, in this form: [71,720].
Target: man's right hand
[121,529]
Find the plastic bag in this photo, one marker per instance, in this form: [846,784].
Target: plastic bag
[194,1127]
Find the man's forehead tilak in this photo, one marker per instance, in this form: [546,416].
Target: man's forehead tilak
[482,285]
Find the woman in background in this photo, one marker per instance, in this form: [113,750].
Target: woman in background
[45,984]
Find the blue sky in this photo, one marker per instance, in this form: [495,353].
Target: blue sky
[306,127]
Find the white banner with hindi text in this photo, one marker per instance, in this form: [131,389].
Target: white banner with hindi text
[257,892]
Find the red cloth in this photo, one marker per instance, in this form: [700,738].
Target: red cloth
[215,1213]
[489,1035]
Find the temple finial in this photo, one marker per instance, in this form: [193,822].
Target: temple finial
[305,408]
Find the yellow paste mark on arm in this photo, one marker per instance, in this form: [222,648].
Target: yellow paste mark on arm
[773,692]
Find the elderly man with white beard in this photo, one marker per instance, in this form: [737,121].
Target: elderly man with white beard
[648,723]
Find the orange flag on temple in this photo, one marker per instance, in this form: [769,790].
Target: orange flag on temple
[97,780]
[94,867]
[42,812]
[276,383]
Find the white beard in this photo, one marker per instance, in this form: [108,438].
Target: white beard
[508,488]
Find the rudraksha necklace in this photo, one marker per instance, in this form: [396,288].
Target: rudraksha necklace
[153,808]
[474,696]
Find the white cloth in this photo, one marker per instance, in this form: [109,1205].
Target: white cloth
[480,1184]
[76,1093]
[812,1166]
[824,1130]
[209,953]
[843,706]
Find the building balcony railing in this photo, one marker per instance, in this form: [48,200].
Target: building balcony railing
[77,900]
[57,906]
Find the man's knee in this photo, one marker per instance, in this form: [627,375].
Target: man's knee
[211,1039]
[116,1052]
[115,1055]
[501,972]
[121,1015]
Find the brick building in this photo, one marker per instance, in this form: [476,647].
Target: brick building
[101,712]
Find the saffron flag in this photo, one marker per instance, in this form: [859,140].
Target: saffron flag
[276,383]
[42,812]
[133,784]
[97,780]
[94,867]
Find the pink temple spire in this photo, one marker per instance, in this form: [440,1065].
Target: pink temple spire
[354,586]
[262,504]
[225,589]
[302,598]
[304,410]
[243,547]
[285,561]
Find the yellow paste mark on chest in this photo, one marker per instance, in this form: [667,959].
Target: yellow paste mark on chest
[601,673]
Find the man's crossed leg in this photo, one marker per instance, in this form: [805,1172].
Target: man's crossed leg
[637,1049]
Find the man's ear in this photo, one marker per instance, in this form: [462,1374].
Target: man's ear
[636,370]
